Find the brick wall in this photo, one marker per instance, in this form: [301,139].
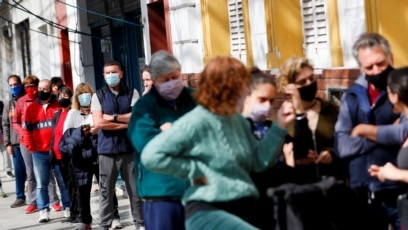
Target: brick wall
[330,83]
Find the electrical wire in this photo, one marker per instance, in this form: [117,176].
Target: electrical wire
[46,34]
[51,23]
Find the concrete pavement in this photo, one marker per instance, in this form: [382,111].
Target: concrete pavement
[16,219]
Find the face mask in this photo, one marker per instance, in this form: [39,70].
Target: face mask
[308,93]
[31,92]
[379,80]
[84,99]
[170,90]
[112,79]
[16,90]
[260,113]
[44,95]
[64,102]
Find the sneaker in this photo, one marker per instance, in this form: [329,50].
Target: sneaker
[18,203]
[124,192]
[31,208]
[116,224]
[56,207]
[2,193]
[44,216]
[67,213]
[10,174]
[82,226]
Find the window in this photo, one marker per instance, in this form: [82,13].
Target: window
[23,28]
[315,32]
[237,32]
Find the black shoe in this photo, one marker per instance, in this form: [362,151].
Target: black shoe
[18,203]
[10,174]
[72,220]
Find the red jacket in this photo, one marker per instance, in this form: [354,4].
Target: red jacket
[38,125]
[19,112]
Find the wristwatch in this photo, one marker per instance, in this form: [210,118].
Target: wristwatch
[115,117]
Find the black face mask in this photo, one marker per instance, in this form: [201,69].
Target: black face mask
[308,93]
[44,95]
[64,102]
[379,80]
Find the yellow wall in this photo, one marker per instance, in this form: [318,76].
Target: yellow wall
[215,29]
[390,19]
[336,49]
[284,30]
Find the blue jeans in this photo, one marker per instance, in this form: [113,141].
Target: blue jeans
[42,170]
[19,172]
[166,214]
[63,190]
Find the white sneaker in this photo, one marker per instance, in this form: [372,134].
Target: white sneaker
[116,224]
[44,216]
[67,213]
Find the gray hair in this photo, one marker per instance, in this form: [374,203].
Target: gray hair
[162,63]
[371,40]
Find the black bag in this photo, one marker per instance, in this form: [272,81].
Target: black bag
[326,205]
[402,203]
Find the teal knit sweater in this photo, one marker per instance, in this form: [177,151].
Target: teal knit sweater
[222,148]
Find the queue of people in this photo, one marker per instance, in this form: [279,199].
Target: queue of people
[203,158]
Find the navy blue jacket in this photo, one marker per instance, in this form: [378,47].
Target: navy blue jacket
[114,141]
[79,148]
[361,152]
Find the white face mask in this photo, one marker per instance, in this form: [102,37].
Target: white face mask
[84,99]
[112,79]
[260,113]
[170,90]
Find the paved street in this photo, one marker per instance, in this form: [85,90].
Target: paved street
[16,219]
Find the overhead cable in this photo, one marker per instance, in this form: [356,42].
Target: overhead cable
[50,35]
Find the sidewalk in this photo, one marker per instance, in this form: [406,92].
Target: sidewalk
[16,219]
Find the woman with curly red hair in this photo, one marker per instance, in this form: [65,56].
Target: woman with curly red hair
[214,147]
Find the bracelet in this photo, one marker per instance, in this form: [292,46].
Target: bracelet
[300,116]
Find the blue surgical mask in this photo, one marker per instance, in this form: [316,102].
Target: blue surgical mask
[84,99]
[112,79]
[16,90]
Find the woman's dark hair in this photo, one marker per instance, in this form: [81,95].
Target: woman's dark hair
[145,68]
[257,78]
[398,83]
[66,90]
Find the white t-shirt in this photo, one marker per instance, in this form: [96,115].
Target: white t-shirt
[75,119]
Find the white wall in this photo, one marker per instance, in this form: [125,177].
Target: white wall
[44,50]
[187,34]
[82,65]
[258,33]
[352,24]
